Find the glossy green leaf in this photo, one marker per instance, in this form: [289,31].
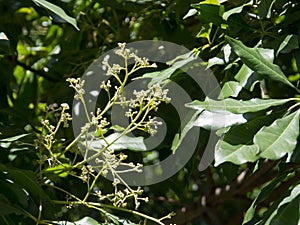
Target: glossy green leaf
[255,61]
[235,106]
[244,133]
[118,142]
[279,138]
[57,10]
[287,211]
[237,154]
[230,89]
[289,43]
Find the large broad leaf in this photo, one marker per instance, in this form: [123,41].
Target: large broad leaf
[255,61]
[57,10]
[279,138]
[237,154]
[287,211]
[235,106]
[117,142]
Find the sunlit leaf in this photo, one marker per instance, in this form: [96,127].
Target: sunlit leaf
[235,106]
[230,89]
[83,221]
[237,154]
[118,142]
[247,78]
[235,10]
[217,120]
[255,61]
[279,138]
[57,10]
[190,13]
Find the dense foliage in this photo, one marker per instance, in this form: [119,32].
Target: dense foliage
[252,47]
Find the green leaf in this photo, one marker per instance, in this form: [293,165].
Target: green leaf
[26,179]
[244,133]
[289,43]
[262,196]
[218,120]
[84,221]
[188,125]
[255,61]
[287,211]
[162,77]
[118,142]
[247,78]
[190,13]
[6,207]
[57,10]
[230,89]
[235,10]
[265,8]
[279,138]
[237,154]
[210,13]
[235,106]
[6,142]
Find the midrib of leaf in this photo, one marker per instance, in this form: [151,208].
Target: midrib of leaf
[260,65]
[282,134]
[223,105]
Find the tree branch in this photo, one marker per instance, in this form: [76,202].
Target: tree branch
[38,72]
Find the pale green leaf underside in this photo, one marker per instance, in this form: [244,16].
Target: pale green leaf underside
[117,142]
[237,154]
[279,138]
[57,10]
[257,62]
[218,120]
[230,89]
[236,106]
